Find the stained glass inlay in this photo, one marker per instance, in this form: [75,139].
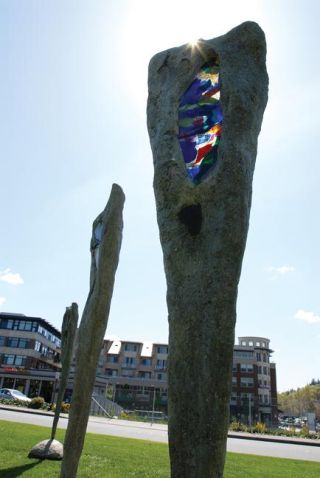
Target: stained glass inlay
[200,119]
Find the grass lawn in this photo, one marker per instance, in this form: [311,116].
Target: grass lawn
[111,457]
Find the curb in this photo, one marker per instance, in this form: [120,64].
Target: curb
[240,436]
[31,411]
[275,439]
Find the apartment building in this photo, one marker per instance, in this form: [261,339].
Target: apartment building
[29,354]
[137,377]
[133,374]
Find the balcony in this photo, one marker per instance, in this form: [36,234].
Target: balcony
[128,365]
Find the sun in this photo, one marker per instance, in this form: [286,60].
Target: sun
[193,44]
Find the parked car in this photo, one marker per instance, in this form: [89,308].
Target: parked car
[11,394]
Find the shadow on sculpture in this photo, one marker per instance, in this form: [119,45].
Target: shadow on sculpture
[205,110]
[52,449]
[105,249]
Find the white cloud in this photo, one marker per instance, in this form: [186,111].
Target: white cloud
[2,300]
[309,317]
[13,278]
[282,270]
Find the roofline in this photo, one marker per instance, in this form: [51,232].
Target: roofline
[51,328]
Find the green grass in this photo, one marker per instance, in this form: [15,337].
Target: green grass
[111,457]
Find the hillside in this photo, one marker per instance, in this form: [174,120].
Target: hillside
[299,402]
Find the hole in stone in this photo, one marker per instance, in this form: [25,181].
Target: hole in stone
[200,120]
[191,217]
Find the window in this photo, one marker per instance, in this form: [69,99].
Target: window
[161,364]
[129,362]
[265,371]
[234,380]
[260,369]
[264,344]
[23,344]
[243,354]
[145,375]
[37,346]
[264,357]
[258,355]
[246,382]
[266,398]
[246,367]
[20,360]
[258,344]
[12,342]
[113,359]
[111,373]
[8,359]
[233,397]
[6,323]
[17,343]
[2,341]
[130,347]
[147,362]
[234,367]
[251,343]
[243,342]
[162,349]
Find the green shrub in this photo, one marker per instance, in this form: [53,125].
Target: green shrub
[15,403]
[260,428]
[237,426]
[65,407]
[304,432]
[37,403]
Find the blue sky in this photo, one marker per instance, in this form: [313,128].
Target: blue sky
[72,113]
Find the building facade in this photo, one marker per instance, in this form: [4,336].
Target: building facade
[30,350]
[132,374]
[137,377]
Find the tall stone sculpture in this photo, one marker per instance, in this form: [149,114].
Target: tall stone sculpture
[105,250]
[68,333]
[205,109]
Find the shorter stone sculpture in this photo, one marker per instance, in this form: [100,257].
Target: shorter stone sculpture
[53,449]
[68,333]
[105,250]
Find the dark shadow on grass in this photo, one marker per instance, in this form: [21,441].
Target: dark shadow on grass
[17,470]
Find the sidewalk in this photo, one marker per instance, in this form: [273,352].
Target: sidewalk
[157,426]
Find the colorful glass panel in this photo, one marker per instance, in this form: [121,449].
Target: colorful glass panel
[200,119]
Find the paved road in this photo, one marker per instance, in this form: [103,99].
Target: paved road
[158,433]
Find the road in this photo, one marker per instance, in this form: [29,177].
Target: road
[156,432]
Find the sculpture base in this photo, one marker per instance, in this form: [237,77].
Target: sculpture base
[47,450]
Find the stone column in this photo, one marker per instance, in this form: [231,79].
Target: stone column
[105,250]
[68,333]
[203,222]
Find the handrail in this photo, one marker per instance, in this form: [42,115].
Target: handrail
[103,409]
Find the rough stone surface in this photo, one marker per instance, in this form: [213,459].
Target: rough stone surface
[203,231]
[47,450]
[105,250]
[68,333]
